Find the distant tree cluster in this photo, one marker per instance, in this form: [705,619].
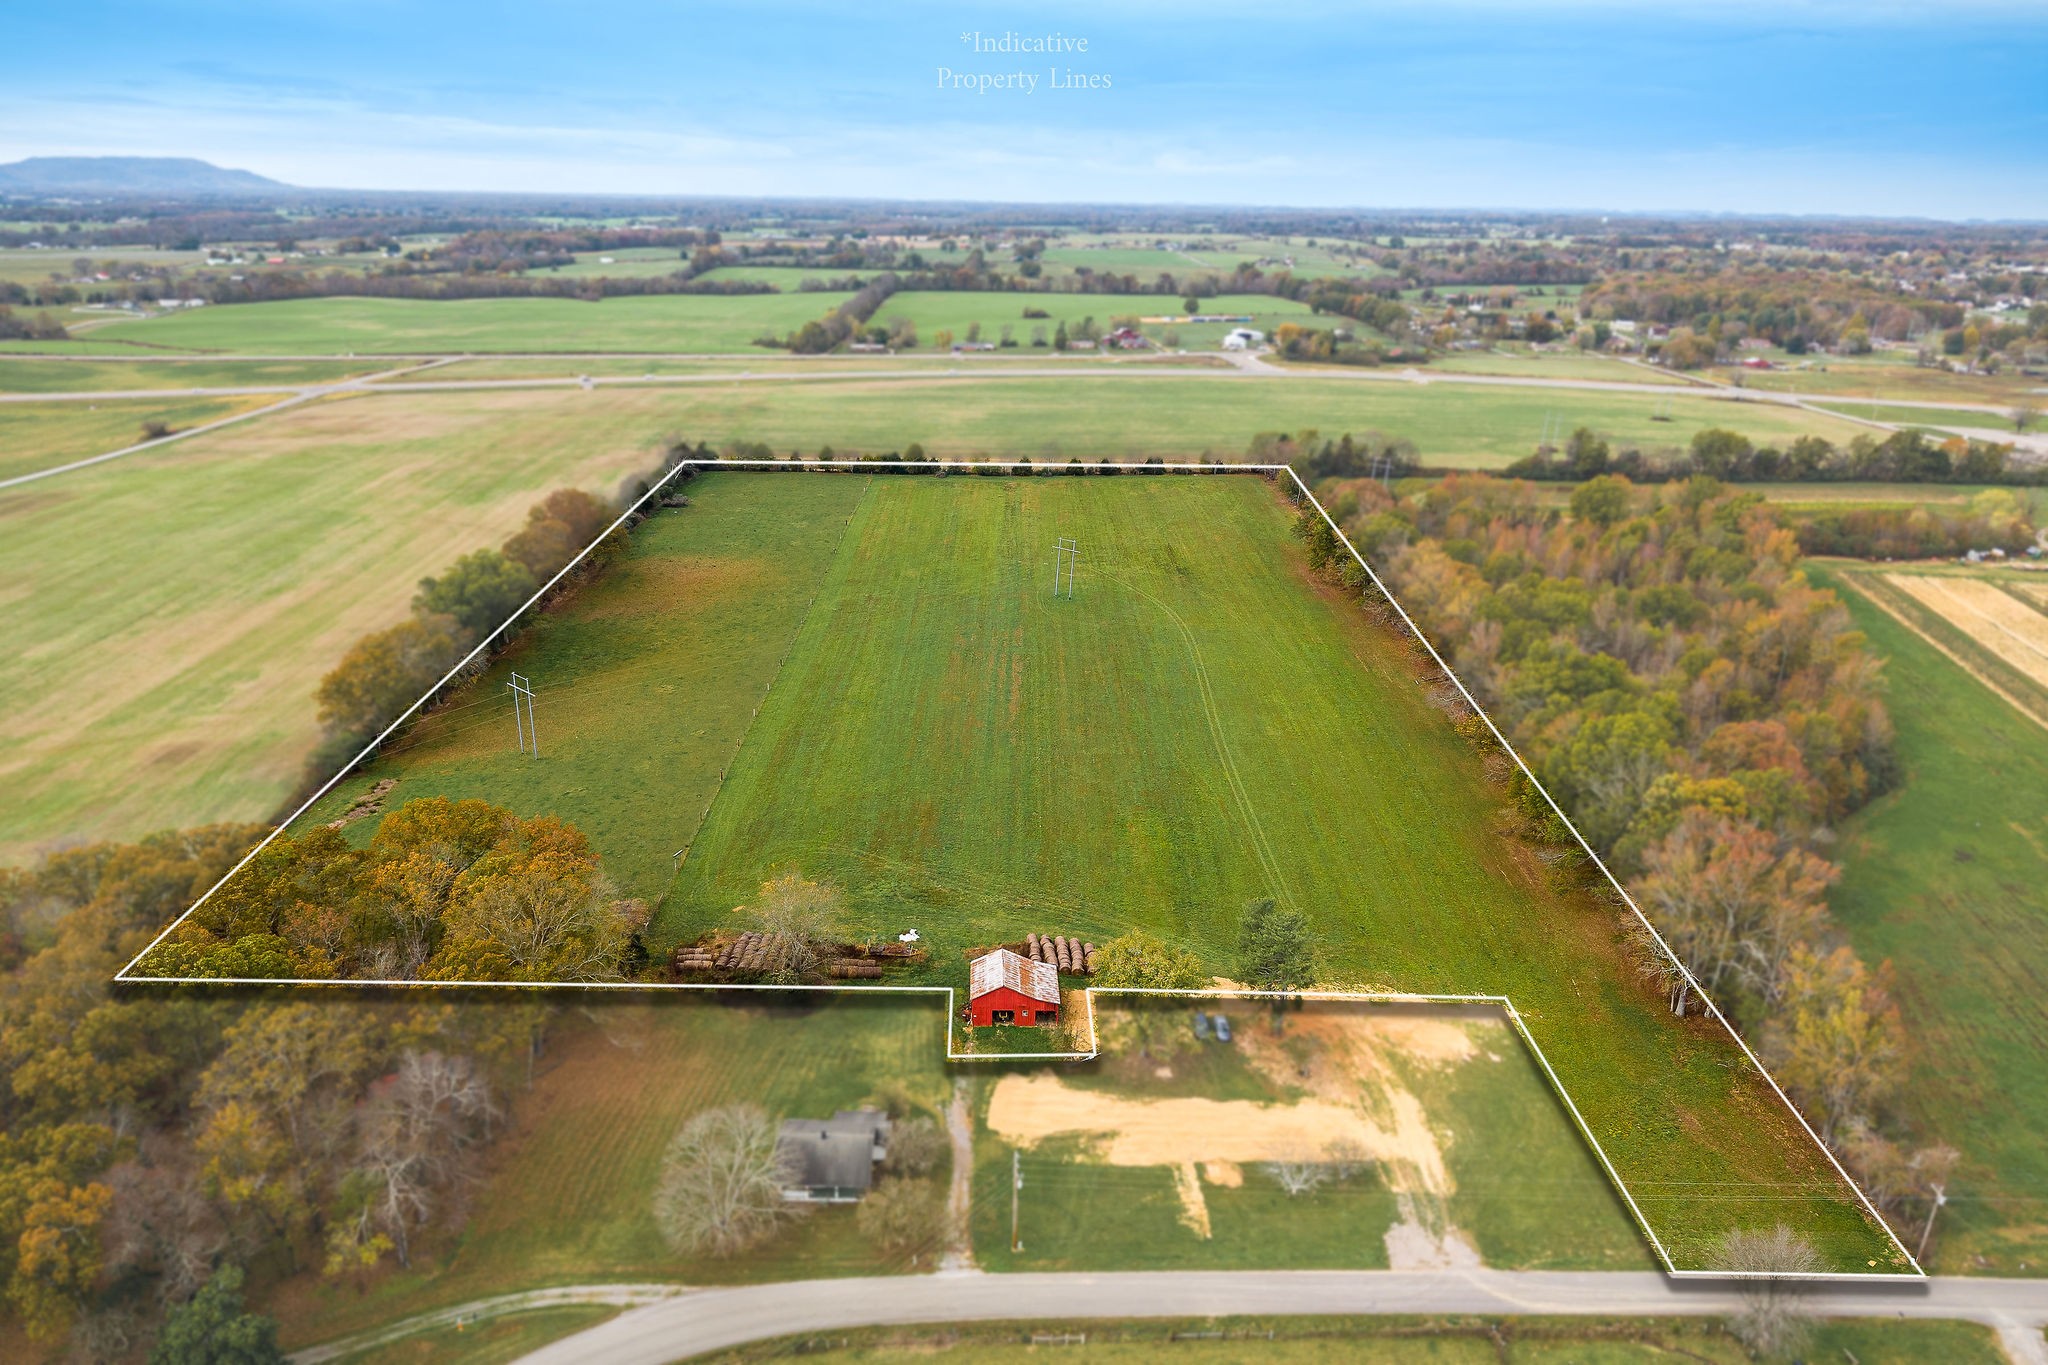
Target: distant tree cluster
[444,891]
[1906,456]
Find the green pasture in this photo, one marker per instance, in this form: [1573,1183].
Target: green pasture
[1374,1341]
[786,278]
[76,376]
[1199,726]
[622,263]
[1942,878]
[1882,375]
[1908,416]
[660,322]
[42,435]
[933,312]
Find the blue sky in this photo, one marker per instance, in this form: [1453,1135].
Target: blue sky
[1797,106]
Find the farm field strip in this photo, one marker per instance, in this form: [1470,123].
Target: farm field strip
[1941,876]
[1077,796]
[1994,619]
[2016,687]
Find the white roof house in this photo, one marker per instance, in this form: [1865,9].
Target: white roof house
[1242,338]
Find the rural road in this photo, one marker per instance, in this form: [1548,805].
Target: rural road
[695,1321]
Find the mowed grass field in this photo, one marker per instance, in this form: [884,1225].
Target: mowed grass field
[1943,877]
[1198,727]
[113,376]
[566,1197]
[164,676]
[171,612]
[359,326]
[37,436]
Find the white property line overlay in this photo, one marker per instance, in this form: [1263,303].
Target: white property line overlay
[1072,467]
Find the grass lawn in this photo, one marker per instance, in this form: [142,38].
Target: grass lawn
[42,435]
[1377,1341]
[491,1342]
[969,756]
[1943,877]
[171,612]
[661,322]
[565,1198]
[74,376]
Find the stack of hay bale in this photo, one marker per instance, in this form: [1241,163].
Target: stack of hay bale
[1067,954]
[753,952]
[695,957]
[854,969]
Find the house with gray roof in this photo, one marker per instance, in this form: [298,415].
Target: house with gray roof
[832,1161]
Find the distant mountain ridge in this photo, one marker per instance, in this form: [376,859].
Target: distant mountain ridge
[128,175]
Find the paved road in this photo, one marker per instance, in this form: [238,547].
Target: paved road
[713,1319]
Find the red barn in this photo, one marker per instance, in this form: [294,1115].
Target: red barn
[1007,988]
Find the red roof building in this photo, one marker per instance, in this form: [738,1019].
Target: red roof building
[1008,988]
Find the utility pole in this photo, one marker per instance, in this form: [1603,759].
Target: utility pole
[1016,1196]
[524,720]
[1065,555]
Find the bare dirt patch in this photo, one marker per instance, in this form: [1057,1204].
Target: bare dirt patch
[1348,1061]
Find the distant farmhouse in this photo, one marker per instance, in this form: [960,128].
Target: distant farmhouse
[832,1161]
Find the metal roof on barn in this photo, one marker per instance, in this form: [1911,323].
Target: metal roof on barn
[992,971]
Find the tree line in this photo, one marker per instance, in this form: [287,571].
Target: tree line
[1905,456]
[1705,716]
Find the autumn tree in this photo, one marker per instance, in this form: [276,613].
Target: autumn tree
[720,1189]
[415,1142]
[384,673]
[557,530]
[802,917]
[1836,1042]
[902,1215]
[1733,905]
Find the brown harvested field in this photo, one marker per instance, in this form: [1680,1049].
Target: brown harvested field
[2009,628]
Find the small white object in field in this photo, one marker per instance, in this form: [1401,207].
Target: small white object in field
[910,937]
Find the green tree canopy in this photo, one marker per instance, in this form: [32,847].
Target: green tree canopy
[213,1329]
[1274,948]
[479,590]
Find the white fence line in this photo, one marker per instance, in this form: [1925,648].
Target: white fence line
[940,466]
